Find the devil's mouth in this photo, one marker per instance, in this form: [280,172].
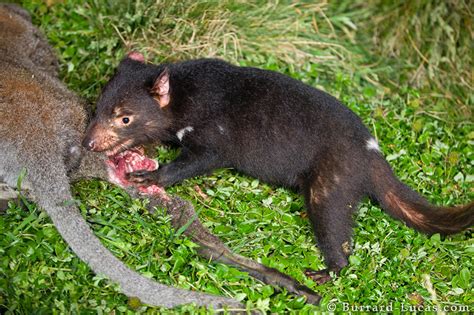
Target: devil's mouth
[119,148]
[130,160]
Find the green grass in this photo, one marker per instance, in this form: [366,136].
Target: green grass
[425,130]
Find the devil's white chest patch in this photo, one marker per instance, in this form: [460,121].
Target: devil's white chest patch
[181,132]
[221,129]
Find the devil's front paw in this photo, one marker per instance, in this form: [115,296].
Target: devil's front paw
[143,178]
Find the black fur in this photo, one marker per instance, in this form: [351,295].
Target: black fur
[272,127]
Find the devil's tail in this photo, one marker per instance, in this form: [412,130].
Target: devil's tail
[402,203]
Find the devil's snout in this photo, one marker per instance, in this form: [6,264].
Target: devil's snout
[100,137]
[90,142]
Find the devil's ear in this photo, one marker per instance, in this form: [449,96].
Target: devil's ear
[135,55]
[161,88]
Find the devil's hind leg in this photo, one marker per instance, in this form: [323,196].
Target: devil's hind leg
[331,198]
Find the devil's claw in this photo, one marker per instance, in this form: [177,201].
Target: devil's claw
[318,276]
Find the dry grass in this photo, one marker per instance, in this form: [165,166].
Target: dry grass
[291,34]
[431,42]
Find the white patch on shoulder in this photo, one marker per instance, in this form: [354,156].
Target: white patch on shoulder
[181,132]
[372,145]
[221,129]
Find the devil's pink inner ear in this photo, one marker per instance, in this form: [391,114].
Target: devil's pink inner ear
[161,88]
[135,55]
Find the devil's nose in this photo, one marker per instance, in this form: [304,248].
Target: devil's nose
[89,144]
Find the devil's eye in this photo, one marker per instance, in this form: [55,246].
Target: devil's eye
[125,120]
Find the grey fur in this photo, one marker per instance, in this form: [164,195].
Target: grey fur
[41,124]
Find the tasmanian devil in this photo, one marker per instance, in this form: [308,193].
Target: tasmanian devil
[266,125]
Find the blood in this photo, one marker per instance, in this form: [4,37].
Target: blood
[129,161]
